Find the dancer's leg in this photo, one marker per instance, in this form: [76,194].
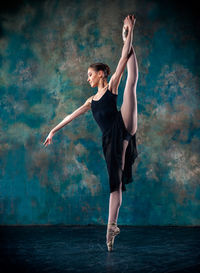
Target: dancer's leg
[116,196]
[129,105]
[129,115]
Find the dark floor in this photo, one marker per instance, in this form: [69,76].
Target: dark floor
[83,249]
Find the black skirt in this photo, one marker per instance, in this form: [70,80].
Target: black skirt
[112,144]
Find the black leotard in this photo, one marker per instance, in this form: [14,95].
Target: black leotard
[104,110]
[114,132]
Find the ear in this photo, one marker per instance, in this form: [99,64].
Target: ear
[100,73]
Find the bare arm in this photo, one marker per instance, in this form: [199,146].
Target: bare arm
[81,110]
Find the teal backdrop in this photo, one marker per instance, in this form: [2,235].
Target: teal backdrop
[46,48]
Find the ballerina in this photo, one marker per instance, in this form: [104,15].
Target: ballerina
[118,127]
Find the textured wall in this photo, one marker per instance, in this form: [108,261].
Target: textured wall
[45,50]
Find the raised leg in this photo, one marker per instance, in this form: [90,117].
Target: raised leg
[129,105]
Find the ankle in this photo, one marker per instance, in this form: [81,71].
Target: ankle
[112,224]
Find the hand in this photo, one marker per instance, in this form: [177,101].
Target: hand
[49,139]
[129,21]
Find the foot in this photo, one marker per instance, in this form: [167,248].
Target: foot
[129,23]
[112,231]
[124,32]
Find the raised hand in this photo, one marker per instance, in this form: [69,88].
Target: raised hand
[129,21]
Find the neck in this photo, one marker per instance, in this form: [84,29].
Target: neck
[102,86]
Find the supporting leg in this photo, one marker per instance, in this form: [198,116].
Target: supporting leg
[116,197]
[129,105]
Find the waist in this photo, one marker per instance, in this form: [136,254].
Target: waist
[107,124]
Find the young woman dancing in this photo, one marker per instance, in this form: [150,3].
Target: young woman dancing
[118,127]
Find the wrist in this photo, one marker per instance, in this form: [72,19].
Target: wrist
[130,28]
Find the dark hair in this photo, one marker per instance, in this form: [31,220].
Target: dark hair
[100,66]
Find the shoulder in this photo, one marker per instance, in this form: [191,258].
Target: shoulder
[89,101]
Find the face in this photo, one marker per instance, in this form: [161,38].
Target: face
[94,77]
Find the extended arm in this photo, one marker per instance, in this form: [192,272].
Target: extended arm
[85,107]
[81,110]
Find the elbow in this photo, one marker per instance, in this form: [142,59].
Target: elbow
[69,118]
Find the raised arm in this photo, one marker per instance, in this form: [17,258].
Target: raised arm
[81,110]
[126,52]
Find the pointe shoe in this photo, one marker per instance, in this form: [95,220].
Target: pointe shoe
[125,28]
[124,33]
[113,230]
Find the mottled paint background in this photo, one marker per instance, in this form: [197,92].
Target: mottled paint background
[45,50]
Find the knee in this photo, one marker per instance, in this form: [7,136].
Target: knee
[132,80]
[133,131]
[134,128]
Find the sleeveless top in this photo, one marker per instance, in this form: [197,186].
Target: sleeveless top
[104,110]
[114,132]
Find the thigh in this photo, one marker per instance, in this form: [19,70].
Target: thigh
[129,108]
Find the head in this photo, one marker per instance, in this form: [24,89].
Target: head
[98,73]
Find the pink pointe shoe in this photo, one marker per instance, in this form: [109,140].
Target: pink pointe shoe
[125,28]
[124,33]
[112,231]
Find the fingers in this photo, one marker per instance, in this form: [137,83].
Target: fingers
[130,17]
[130,20]
[47,142]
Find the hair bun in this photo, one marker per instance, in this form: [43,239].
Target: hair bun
[101,66]
[107,69]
